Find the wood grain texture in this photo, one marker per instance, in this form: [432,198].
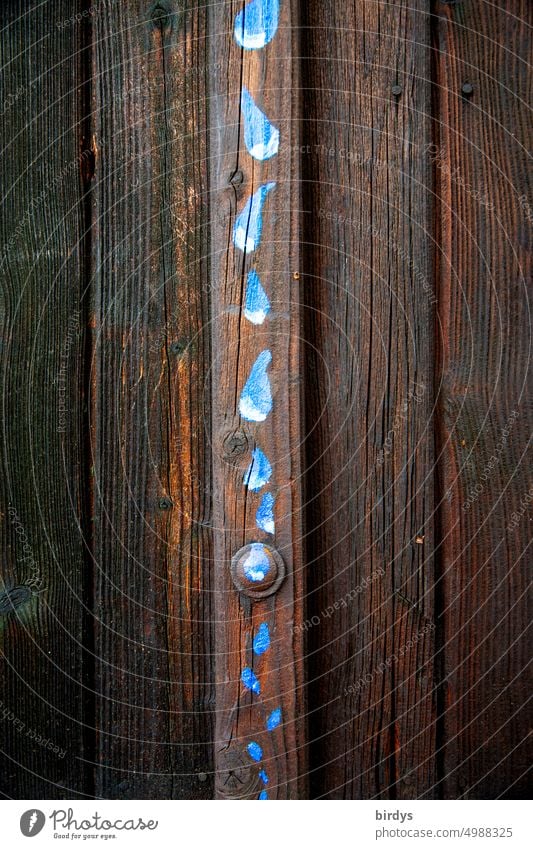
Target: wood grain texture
[42,677]
[271,76]
[396,254]
[369,448]
[150,409]
[484,414]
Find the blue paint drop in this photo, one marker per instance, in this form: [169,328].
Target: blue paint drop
[256,397]
[257,564]
[249,223]
[250,680]
[258,472]
[255,751]
[260,136]
[256,24]
[262,639]
[257,305]
[263,776]
[274,719]
[263,795]
[264,518]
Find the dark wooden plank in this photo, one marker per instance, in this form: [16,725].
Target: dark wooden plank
[481,172]
[150,412]
[237,343]
[43,674]
[369,444]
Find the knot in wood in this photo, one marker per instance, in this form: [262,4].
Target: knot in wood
[13,598]
[237,178]
[179,346]
[237,778]
[162,16]
[235,444]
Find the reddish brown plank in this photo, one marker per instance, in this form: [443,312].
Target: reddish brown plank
[484,233]
[150,412]
[236,176]
[369,443]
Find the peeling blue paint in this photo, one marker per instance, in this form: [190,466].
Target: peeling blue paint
[256,24]
[263,795]
[263,776]
[264,518]
[274,719]
[257,305]
[255,751]
[256,397]
[257,564]
[262,639]
[249,223]
[250,680]
[258,472]
[260,136]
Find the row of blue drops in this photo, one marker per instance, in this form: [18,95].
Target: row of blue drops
[255,27]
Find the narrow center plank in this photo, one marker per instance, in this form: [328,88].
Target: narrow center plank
[256,399]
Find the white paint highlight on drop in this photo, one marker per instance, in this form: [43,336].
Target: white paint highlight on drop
[257,305]
[249,223]
[258,472]
[256,24]
[260,136]
[256,397]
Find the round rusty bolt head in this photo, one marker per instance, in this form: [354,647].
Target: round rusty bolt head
[396,90]
[467,89]
[257,570]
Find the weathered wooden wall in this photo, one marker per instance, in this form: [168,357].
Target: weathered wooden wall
[396,256]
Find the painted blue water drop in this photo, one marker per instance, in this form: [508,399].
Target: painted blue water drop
[249,223]
[262,639]
[250,680]
[274,719]
[264,518]
[263,795]
[256,24]
[257,564]
[258,472]
[257,305]
[256,397]
[260,136]
[255,751]
[263,776]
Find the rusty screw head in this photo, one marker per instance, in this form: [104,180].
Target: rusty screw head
[396,90]
[257,570]
[467,89]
